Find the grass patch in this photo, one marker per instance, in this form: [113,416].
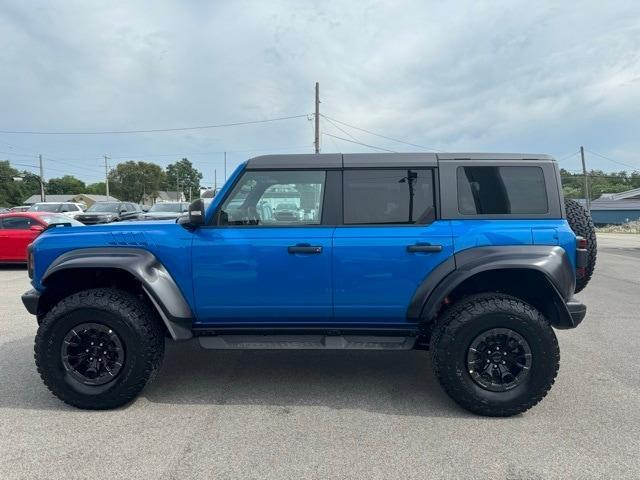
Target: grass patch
[629,227]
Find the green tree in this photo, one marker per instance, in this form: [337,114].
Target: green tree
[132,180]
[183,177]
[16,186]
[98,188]
[65,185]
[599,182]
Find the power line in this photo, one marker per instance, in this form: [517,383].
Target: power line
[185,154]
[341,129]
[612,160]
[23,164]
[153,130]
[380,135]
[359,143]
[569,156]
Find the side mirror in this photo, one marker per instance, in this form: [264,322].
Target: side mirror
[36,228]
[196,213]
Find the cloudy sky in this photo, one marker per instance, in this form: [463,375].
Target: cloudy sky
[453,76]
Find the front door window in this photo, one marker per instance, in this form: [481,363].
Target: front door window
[273,198]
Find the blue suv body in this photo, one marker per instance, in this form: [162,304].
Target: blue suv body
[376,251]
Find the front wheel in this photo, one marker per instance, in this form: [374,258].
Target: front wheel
[494,354]
[97,349]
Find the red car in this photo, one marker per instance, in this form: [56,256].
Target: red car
[19,229]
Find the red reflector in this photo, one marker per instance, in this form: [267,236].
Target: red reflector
[582,243]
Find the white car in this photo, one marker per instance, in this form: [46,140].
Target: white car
[69,209]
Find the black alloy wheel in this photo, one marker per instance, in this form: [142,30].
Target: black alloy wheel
[92,353]
[499,359]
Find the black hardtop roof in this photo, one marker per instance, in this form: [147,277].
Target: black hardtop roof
[352,160]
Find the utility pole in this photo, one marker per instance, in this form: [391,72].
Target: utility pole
[43,196]
[317,119]
[215,180]
[106,174]
[225,166]
[586,180]
[177,188]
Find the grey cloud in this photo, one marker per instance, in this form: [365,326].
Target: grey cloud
[456,76]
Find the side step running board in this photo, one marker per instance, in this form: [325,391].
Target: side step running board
[306,342]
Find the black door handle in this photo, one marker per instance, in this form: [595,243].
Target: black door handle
[424,248]
[304,248]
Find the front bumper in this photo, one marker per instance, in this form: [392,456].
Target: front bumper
[577,312]
[30,300]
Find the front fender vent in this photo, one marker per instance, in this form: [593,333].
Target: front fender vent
[128,239]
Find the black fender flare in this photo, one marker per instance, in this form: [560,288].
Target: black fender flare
[156,281]
[551,261]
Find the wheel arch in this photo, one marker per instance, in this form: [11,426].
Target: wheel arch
[132,269]
[540,275]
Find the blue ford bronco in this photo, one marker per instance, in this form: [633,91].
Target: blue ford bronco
[475,257]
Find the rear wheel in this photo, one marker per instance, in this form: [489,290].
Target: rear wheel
[98,348]
[494,354]
[581,223]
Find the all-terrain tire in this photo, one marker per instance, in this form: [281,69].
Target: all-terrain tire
[137,327]
[475,315]
[581,223]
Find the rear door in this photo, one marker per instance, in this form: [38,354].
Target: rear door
[390,242]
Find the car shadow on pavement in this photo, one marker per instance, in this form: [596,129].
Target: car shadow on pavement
[13,266]
[396,383]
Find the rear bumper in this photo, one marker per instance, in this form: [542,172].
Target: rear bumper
[30,300]
[577,312]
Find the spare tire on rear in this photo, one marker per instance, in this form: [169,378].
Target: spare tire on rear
[582,225]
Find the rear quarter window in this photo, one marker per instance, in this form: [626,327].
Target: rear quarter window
[491,190]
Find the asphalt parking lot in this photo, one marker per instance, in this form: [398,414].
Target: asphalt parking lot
[275,415]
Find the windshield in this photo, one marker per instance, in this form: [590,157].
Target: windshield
[53,219]
[46,207]
[167,207]
[103,207]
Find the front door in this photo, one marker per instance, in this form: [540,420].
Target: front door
[389,243]
[267,259]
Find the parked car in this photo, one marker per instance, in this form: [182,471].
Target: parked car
[287,212]
[19,229]
[166,210]
[107,212]
[475,257]
[70,209]
[20,208]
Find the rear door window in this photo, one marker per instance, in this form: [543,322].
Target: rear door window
[388,196]
[17,223]
[488,190]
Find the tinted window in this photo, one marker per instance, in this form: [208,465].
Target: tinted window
[56,218]
[388,196]
[46,207]
[256,197]
[168,207]
[17,223]
[103,207]
[501,190]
